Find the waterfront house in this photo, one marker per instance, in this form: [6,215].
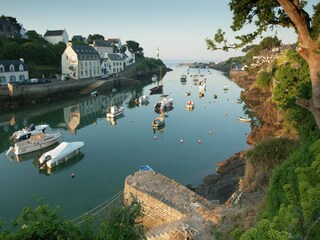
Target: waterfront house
[56,36]
[115,63]
[13,71]
[80,62]
[128,58]
[102,47]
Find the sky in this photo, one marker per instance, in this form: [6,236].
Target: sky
[177,27]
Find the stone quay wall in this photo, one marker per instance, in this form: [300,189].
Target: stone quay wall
[155,212]
[49,89]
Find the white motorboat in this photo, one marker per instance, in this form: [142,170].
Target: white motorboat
[115,111]
[164,104]
[143,99]
[26,133]
[61,153]
[34,143]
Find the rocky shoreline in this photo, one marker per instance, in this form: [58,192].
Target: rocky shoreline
[222,184]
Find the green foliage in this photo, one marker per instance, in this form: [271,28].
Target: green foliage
[264,79]
[134,47]
[293,198]
[94,37]
[122,223]
[315,30]
[265,156]
[149,64]
[45,223]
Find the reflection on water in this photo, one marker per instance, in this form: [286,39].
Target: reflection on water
[115,148]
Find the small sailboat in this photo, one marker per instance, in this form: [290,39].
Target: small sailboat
[158,122]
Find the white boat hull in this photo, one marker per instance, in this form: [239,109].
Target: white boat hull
[61,153]
[31,145]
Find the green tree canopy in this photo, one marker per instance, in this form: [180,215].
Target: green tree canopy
[263,15]
[94,37]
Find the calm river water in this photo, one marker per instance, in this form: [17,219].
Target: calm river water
[112,152]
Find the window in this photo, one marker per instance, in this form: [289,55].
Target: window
[2,79]
[11,68]
[21,67]
[12,78]
[21,78]
[1,68]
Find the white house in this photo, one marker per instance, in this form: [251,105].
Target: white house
[102,47]
[128,58]
[56,36]
[115,63]
[80,62]
[13,71]
[115,41]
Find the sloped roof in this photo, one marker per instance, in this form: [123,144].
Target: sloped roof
[114,40]
[15,63]
[84,50]
[102,43]
[114,57]
[51,33]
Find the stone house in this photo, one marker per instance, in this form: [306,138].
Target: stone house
[13,71]
[102,47]
[80,62]
[56,36]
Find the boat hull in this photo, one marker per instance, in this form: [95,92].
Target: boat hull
[28,146]
[63,152]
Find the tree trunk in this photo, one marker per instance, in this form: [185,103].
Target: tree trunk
[313,105]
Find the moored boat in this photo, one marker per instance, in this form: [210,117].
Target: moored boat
[61,153]
[143,99]
[34,143]
[115,111]
[156,89]
[183,78]
[26,133]
[190,105]
[145,168]
[244,119]
[164,104]
[158,122]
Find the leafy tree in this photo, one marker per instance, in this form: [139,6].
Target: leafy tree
[94,37]
[122,224]
[264,14]
[134,47]
[11,20]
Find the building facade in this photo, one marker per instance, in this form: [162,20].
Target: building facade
[56,36]
[13,71]
[115,63]
[102,47]
[80,62]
